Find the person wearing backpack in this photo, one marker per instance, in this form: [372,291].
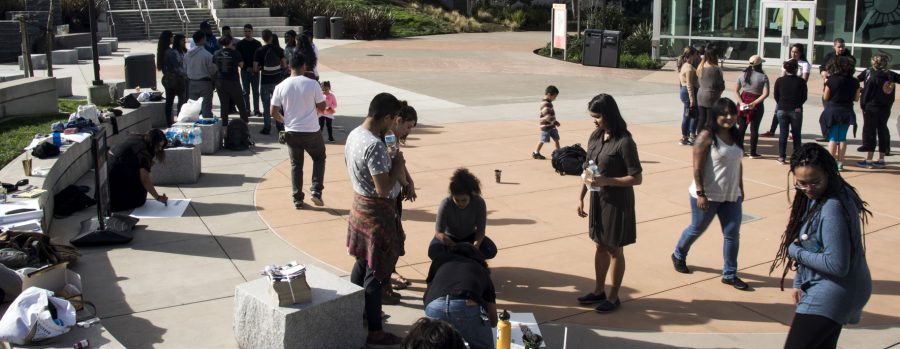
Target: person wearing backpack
[228,61]
[876,101]
[296,104]
[270,63]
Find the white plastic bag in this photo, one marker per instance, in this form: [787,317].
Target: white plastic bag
[190,111]
[89,112]
[28,318]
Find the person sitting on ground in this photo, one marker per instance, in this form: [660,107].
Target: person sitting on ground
[548,122]
[129,171]
[433,334]
[461,217]
[459,291]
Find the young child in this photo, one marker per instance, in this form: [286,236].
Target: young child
[327,116]
[548,122]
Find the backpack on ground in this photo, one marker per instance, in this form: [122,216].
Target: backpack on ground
[237,135]
[569,160]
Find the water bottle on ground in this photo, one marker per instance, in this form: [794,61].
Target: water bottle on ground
[390,140]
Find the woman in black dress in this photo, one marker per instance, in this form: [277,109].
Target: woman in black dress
[129,173]
[612,224]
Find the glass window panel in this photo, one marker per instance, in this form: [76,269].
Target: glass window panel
[725,18]
[741,50]
[864,56]
[834,19]
[671,47]
[800,23]
[774,22]
[675,17]
[772,49]
[878,22]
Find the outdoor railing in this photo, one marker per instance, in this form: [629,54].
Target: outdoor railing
[182,14]
[111,22]
[146,19]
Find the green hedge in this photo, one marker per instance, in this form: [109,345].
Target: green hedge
[360,21]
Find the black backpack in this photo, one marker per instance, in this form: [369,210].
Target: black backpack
[237,135]
[569,160]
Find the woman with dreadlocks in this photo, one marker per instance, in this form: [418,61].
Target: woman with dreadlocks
[823,241]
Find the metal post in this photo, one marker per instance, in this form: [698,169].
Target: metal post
[50,33]
[92,14]
[26,49]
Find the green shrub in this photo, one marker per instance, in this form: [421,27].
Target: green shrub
[638,42]
[515,20]
[360,22]
[607,17]
[367,23]
[573,49]
[537,17]
[641,61]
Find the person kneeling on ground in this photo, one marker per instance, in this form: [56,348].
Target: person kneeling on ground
[462,217]
[129,174]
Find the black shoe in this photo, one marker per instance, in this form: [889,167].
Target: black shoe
[592,298]
[537,156]
[680,265]
[608,306]
[331,140]
[317,199]
[737,283]
[264,132]
[257,113]
[864,149]
[298,204]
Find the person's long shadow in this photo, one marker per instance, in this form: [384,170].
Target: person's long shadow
[420,215]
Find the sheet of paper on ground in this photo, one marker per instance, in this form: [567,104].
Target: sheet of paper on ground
[155,209]
[516,334]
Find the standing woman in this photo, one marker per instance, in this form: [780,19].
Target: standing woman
[611,223]
[305,45]
[798,55]
[790,94]
[841,90]
[823,241]
[879,85]
[687,74]
[170,61]
[717,190]
[290,46]
[752,89]
[711,83]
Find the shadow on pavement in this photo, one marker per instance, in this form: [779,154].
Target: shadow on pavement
[424,216]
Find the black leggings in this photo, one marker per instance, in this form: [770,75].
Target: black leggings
[364,277]
[875,126]
[704,115]
[812,331]
[323,121]
[755,119]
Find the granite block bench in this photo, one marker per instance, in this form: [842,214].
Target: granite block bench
[182,166]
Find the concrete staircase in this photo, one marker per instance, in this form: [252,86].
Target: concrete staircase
[162,16]
[260,18]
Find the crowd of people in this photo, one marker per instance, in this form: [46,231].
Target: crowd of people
[822,240]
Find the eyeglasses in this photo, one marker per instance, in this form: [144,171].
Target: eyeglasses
[809,186]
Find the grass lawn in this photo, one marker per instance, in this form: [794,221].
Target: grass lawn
[17,134]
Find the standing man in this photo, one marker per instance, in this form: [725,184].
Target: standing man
[249,79]
[840,50]
[200,72]
[226,31]
[373,236]
[212,44]
[270,63]
[297,102]
[228,62]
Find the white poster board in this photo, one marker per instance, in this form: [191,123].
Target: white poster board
[558,29]
[516,333]
[154,209]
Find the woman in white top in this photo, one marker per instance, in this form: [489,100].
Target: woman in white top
[717,190]
[803,68]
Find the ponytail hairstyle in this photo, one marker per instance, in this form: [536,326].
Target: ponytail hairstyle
[165,38]
[748,72]
[880,62]
[813,154]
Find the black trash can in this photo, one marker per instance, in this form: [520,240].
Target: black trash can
[591,47]
[320,27]
[337,28]
[611,44]
[140,70]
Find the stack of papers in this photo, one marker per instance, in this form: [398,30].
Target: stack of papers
[288,283]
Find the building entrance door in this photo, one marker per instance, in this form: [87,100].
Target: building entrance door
[782,24]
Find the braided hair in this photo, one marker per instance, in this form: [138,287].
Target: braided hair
[813,154]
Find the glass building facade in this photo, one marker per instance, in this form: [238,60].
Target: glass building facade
[769,27]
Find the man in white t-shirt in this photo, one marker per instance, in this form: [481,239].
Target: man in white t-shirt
[297,102]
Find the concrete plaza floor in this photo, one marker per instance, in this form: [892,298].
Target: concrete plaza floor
[477,96]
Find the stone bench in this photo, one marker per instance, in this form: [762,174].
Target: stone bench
[210,136]
[113,43]
[104,48]
[65,57]
[28,97]
[182,166]
[85,52]
[63,86]
[333,319]
[38,61]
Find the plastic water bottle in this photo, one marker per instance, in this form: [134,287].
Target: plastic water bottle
[810,243]
[57,139]
[197,134]
[390,140]
[594,172]
[190,137]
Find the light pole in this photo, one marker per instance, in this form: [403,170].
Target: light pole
[92,17]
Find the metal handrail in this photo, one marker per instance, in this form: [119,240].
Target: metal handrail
[182,14]
[111,22]
[147,20]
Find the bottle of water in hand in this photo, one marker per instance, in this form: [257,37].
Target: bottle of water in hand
[390,140]
[594,172]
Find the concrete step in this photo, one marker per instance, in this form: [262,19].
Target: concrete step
[256,21]
[242,12]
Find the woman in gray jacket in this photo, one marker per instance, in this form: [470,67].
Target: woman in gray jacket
[712,84]
[823,241]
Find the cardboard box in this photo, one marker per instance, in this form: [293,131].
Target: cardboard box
[55,278]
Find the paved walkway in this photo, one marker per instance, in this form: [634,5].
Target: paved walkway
[476,95]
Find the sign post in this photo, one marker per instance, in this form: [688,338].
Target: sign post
[558,30]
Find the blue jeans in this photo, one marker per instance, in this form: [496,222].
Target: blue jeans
[250,83]
[729,213]
[467,319]
[689,116]
[789,120]
[265,92]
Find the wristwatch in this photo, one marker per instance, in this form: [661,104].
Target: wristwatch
[701,193]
